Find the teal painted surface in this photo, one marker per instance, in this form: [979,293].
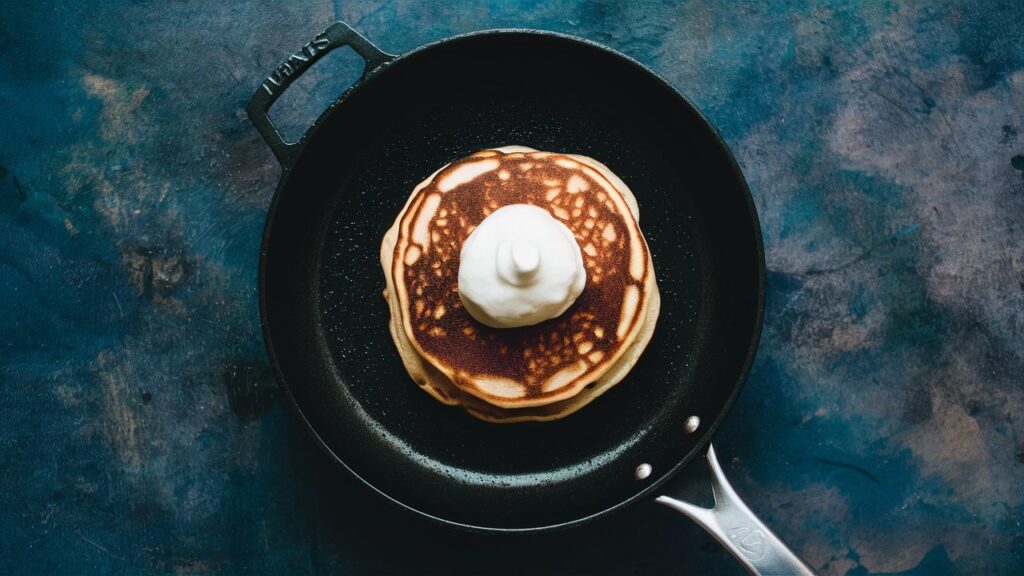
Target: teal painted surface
[882,430]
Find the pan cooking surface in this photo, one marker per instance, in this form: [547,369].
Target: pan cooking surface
[328,323]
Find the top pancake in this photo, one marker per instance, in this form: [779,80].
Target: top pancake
[532,365]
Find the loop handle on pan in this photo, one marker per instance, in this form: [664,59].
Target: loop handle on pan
[738,529]
[337,35]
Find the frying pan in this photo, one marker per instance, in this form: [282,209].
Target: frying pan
[325,322]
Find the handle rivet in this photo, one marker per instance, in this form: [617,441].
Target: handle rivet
[691,424]
[643,471]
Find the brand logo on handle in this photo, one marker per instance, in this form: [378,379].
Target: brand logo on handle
[295,63]
[750,541]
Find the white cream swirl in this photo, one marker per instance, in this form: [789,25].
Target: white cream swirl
[520,267]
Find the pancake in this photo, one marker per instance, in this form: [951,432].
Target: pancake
[534,365]
[537,372]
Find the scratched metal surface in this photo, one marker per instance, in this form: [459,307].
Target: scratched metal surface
[882,430]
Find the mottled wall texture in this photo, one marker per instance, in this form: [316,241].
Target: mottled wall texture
[882,430]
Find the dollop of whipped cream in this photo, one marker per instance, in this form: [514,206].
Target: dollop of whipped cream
[520,267]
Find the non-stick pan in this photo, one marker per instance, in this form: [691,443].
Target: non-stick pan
[325,321]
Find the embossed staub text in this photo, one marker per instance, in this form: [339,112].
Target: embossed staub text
[295,63]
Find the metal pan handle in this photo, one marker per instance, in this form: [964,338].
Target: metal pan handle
[738,529]
[337,35]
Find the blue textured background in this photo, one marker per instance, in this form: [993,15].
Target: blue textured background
[881,431]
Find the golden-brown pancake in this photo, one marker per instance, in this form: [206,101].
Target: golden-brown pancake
[528,373]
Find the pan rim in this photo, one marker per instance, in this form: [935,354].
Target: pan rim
[737,386]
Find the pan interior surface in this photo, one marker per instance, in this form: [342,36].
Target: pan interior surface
[327,322]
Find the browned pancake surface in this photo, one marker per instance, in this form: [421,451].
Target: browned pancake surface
[555,358]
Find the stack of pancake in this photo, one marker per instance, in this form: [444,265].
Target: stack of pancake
[541,372]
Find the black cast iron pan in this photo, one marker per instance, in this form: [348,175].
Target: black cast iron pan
[326,324]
